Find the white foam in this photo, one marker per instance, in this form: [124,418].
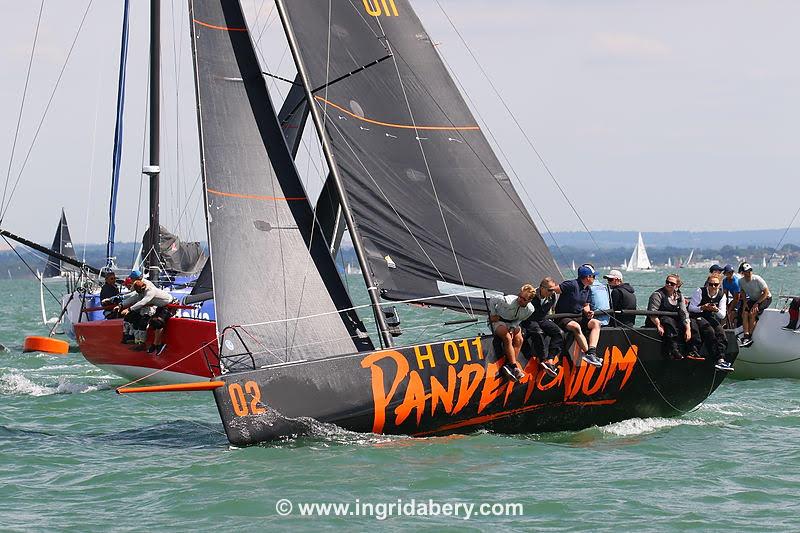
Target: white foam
[643,426]
[15,383]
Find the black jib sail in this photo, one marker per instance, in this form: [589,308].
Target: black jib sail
[436,211]
[177,257]
[272,273]
[62,243]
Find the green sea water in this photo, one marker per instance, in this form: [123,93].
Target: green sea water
[74,456]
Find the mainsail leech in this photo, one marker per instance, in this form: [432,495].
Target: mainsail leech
[493,243]
[269,259]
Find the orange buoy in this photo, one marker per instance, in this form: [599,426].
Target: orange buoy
[44,344]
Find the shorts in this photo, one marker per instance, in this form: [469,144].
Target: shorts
[763,305]
[160,317]
[583,321]
[506,324]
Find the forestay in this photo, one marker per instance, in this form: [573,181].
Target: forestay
[434,208]
[259,220]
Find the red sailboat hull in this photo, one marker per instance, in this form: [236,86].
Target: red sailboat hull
[191,351]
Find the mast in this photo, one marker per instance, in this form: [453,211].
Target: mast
[153,170]
[358,246]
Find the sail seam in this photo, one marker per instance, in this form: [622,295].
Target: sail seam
[395,211]
[428,169]
[400,126]
[213,27]
[258,197]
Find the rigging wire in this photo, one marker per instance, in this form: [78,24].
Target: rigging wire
[22,106]
[791,223]
[499,146]
[14,249]
[516,122]
[92,160]
[427,166]
[46,109]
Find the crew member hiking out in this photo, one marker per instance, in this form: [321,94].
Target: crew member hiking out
[574,299]
[622,298]
[669,298]
[538,327]
[707,310]
[505,315]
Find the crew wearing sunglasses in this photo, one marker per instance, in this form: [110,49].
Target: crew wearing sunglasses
[669,298]
[707,309]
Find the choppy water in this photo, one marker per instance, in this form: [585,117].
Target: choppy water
[75,456]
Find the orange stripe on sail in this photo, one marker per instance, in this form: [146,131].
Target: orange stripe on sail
[223,28]
[401,126]
[256,197]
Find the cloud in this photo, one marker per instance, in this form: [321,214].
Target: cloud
[626,45]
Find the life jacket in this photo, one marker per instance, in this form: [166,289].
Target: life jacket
[705,298]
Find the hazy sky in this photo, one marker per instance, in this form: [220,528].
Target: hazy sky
[653,116]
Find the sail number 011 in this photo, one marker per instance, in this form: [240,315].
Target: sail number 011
[239,401]
[376,8]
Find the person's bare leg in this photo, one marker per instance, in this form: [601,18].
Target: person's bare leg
[508,347]
[594,333]
[575,328]
[746,320]
[516,344]
[157,336]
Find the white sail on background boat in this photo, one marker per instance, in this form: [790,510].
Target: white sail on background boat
[669,262]
[688,259]
[639,259]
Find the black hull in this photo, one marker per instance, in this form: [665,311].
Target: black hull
[454,387]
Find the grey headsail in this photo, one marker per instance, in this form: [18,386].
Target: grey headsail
[433,205]
[272,274]
[62,243]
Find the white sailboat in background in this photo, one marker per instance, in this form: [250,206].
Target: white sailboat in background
[688,260]
[669,262]
[639,259]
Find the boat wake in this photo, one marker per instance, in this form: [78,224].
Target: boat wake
[18,384]
[644,426]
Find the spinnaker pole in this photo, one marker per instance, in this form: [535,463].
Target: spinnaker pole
[380,319]
[153,170]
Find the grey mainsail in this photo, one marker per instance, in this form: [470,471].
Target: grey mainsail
[272,273]
[434,208]
[62,243]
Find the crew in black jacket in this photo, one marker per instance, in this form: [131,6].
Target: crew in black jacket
[622,298]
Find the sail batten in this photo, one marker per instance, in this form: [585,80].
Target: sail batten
[430,199]
[271,267]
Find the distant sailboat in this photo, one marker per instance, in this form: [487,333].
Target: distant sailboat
[573,266]
[62,243]
[763,261]
[669,262]
[688,260]
[639,259]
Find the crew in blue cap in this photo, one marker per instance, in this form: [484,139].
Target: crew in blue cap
[574,299]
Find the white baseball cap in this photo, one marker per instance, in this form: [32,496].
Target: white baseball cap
[614,274]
